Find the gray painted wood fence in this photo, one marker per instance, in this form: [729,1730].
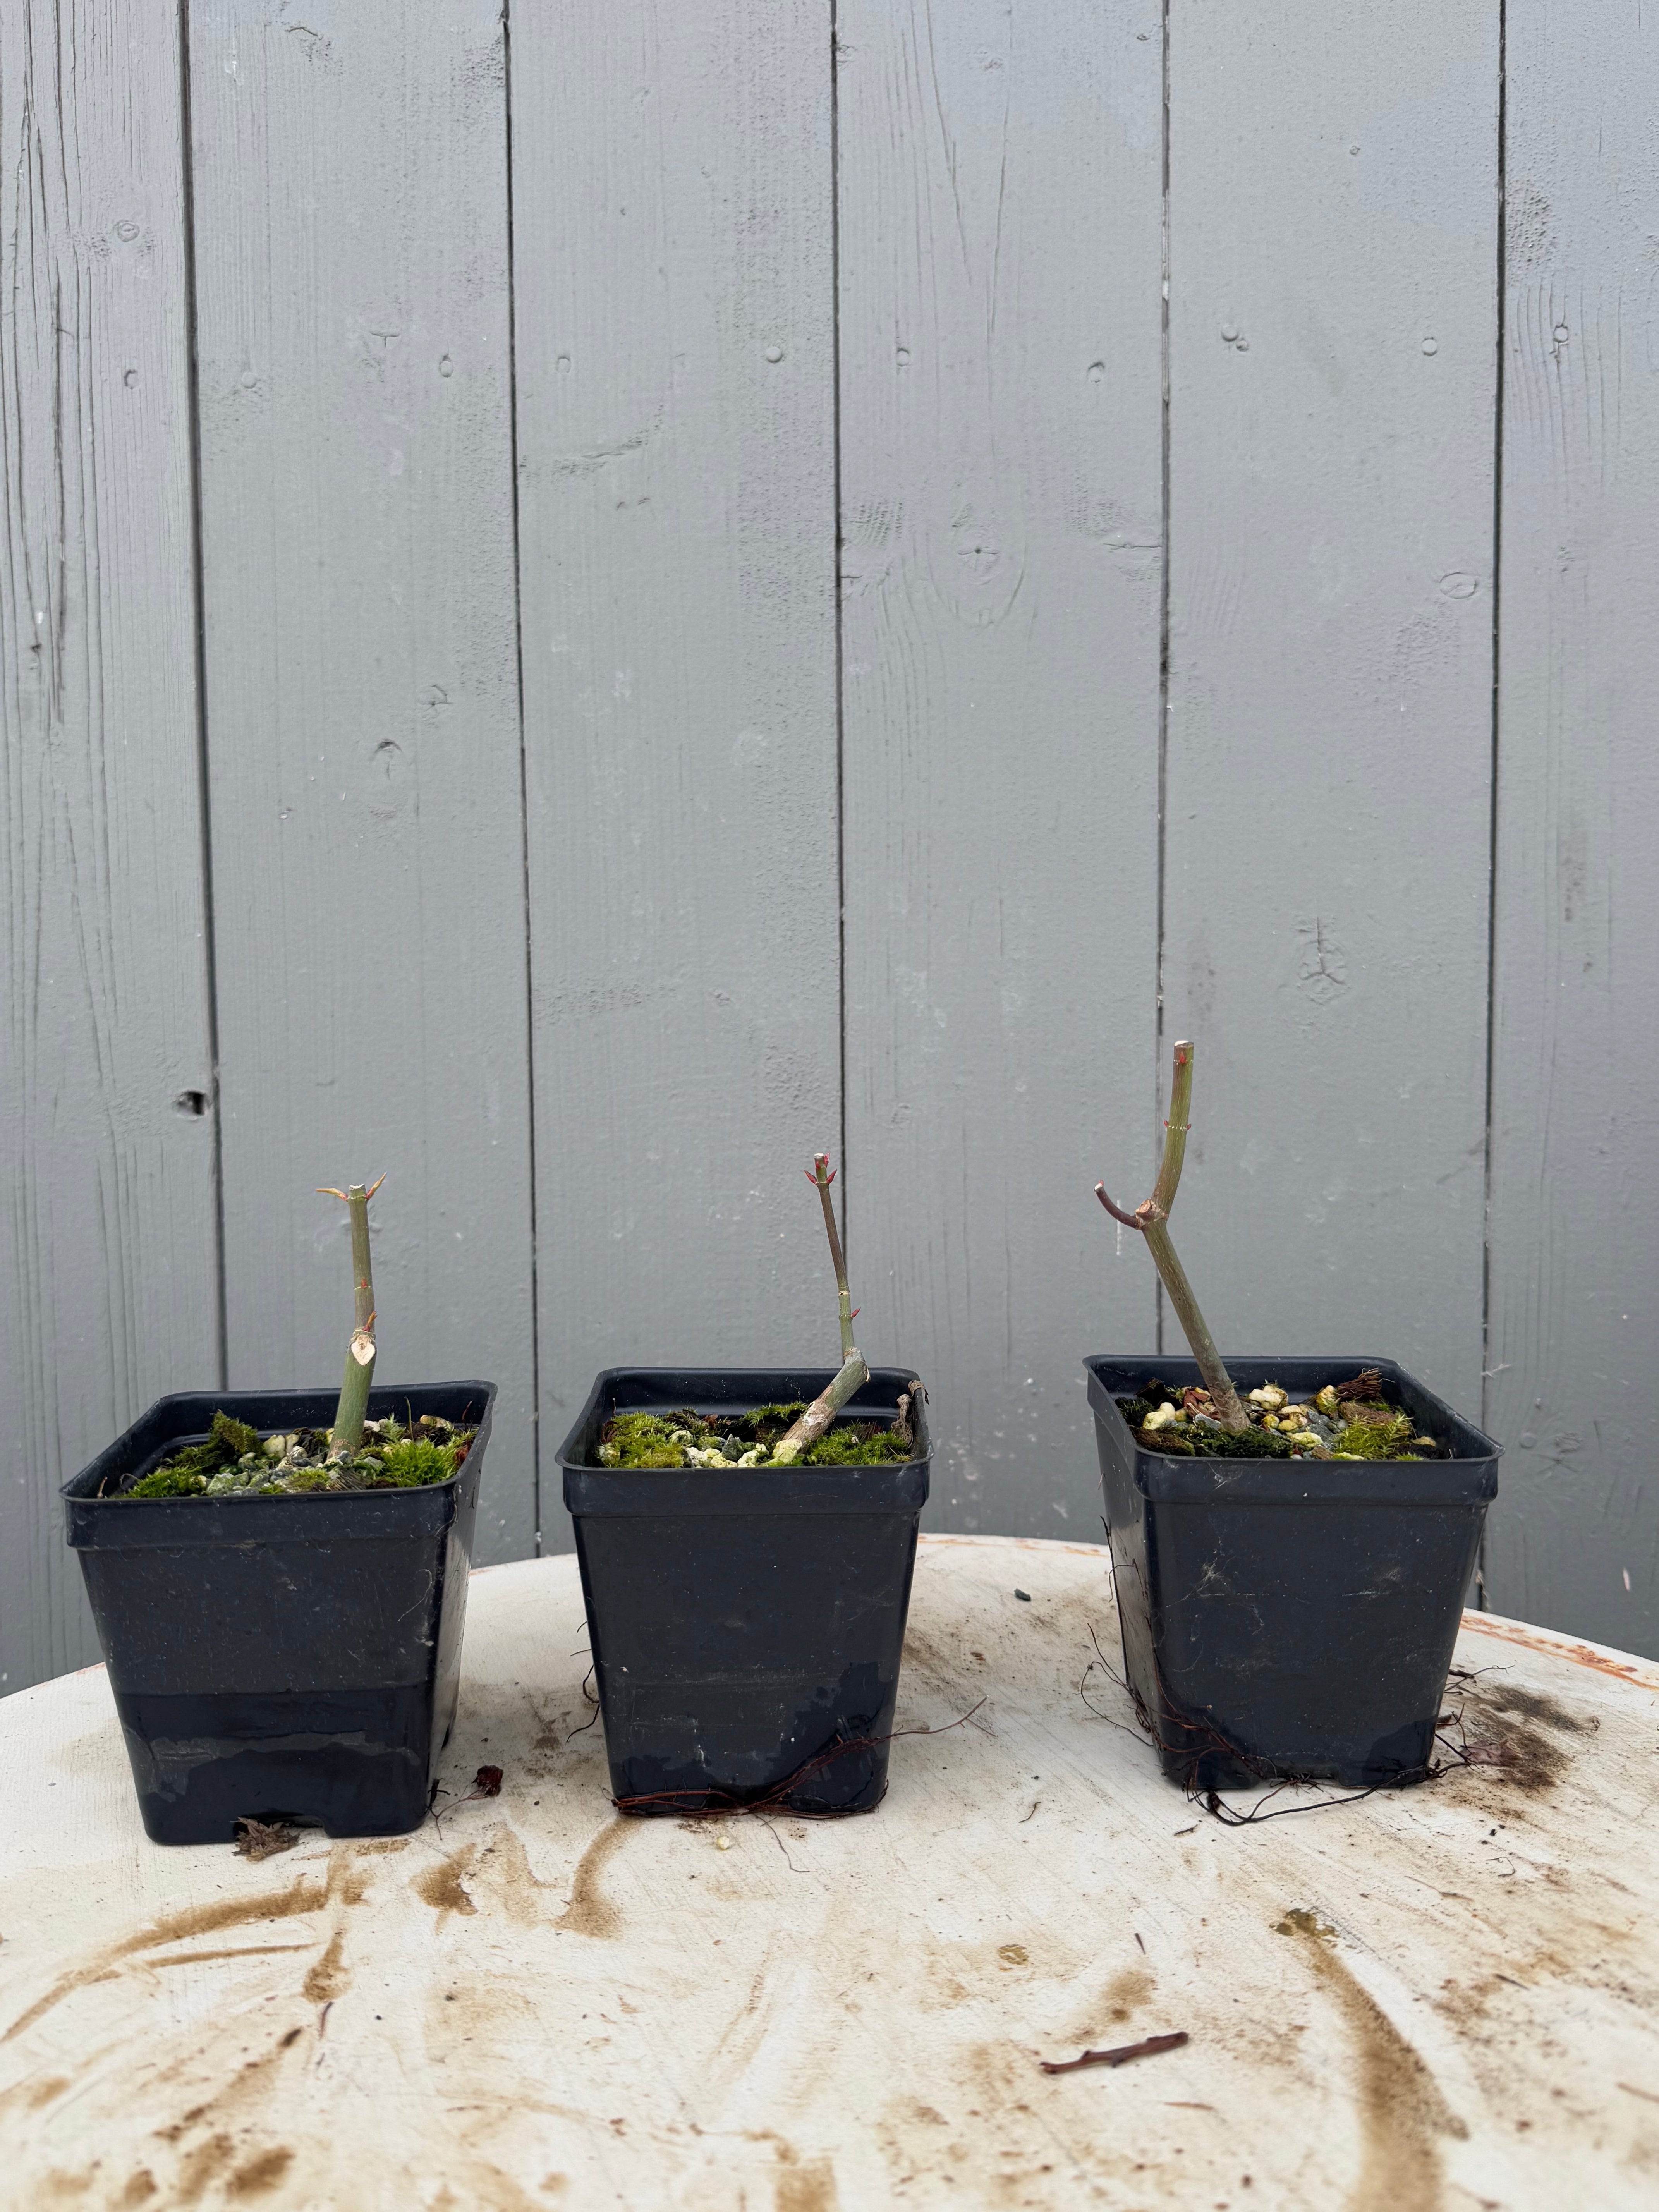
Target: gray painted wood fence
[597,601]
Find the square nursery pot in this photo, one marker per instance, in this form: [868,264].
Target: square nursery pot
[280,1658]
[746,1625]
[1289,1619]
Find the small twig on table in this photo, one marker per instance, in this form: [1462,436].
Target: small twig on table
[1148,2048]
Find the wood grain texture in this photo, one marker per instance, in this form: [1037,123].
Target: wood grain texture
[675,314]
[1574,1540]
[1000,204]
[1458,2013]
[1333,271]
[350,194]
[108,1290]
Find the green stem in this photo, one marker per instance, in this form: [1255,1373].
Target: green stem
[346,1436]
[1216,1381]
[1175,1131]
[824,1177]
[815,1420]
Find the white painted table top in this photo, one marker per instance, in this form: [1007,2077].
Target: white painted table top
[546,2006]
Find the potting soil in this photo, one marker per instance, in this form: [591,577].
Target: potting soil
[234,1461]
[1345,1420]
[689,1439]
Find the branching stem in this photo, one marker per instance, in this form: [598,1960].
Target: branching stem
[1151,1220]
[854,1375]
[815,1420]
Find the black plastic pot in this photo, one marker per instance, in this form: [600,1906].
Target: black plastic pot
[281,1658]
[1289,1618]
[746,1625]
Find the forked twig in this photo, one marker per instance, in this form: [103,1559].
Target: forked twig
[1151,1219]
[815,1420]
[1148,2047]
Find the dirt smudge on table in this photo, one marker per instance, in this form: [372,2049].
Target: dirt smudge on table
[925,1656]
[504,1870]
[200,2168]
[30,2096]
[442,1887]
[303,1895]
[329,1979]
[60,2187]
[261,2174]
[1529,1728]
[1402,2112]
[488,2189]
[234,1951]
[589,1912]
[1129,1990]
[250,2087]
[799,2184]
[809,2187]
[990,2133]
[1090,2019]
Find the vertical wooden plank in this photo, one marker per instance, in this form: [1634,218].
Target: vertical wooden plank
[108,1292]
[1000,209]
[1574,1278]
[350,195]
[1332,269]
[672,196]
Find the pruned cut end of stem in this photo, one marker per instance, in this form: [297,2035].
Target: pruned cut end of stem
[346,1436]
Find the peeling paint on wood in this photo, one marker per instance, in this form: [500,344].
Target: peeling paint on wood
[108,1290]
[1000,200]
[1332,208]
[351,238]
[1574,1539]
[676,348]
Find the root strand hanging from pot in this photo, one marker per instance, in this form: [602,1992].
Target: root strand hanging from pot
[1151,1219]
[346,1436]
[815,1420]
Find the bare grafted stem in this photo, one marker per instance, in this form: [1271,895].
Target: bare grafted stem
[346,1436]
[854,1375]
[1151,1219]
[1216,1381]
[815,1420]
[822,1175]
